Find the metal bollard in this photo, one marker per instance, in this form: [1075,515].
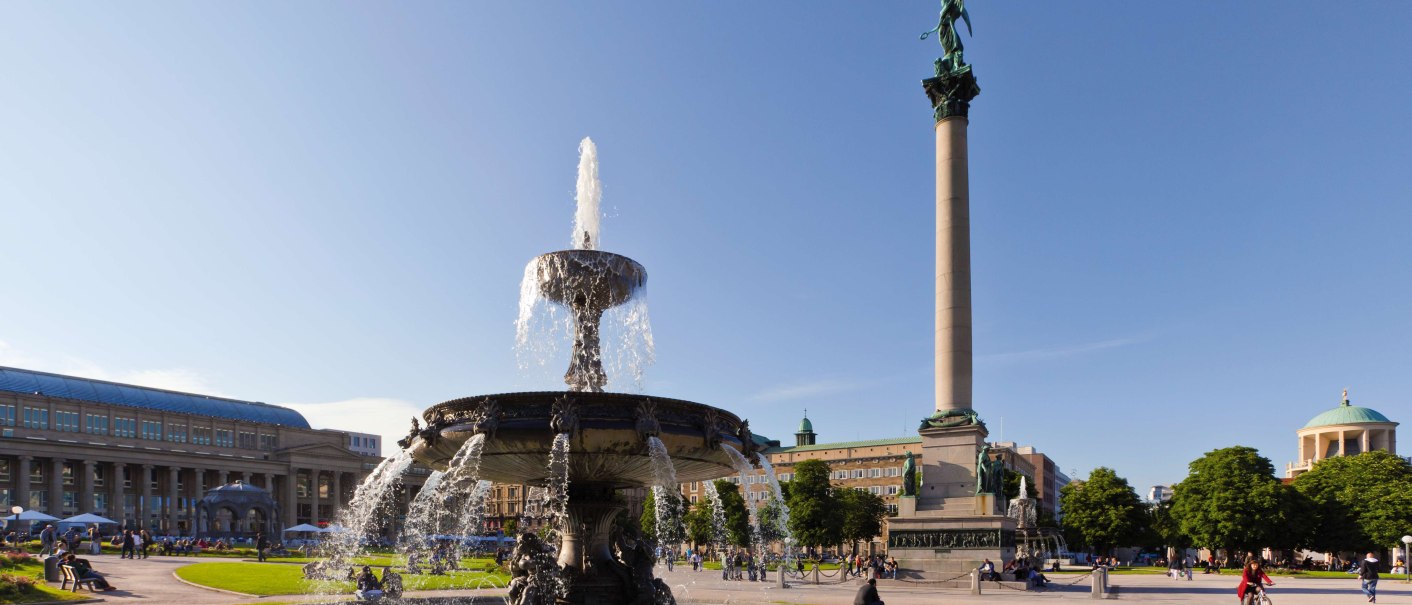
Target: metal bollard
[780,583]
[816,573]
[975,581]
[1105,580]
[1098,583]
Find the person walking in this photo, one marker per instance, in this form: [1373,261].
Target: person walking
[129,545]
[146,543]
[1368,573]
[262,544]
[47,538]
[95,541]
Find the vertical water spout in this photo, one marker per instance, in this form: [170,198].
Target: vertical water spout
[666,491]
[589,191]
[718,515]
[369,505]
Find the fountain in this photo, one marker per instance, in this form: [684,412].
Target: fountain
[1039,544]
[582,444]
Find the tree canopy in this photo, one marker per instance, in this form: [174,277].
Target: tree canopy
[814,515]
[1358,502]
[1231,499]
[1102,512]
[863,514]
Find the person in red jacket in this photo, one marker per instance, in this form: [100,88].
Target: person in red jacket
[1251,580]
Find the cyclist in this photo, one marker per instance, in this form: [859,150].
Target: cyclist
[1251,579]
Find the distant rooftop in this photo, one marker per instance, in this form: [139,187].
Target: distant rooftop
[847,444]
[30,382]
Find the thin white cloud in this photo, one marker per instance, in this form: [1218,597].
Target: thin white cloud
[801,390]
[385,416]
[173,379]
[1057,353]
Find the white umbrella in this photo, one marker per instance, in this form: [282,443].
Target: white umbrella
[302,527]
[90,518]
[333,528]
[31,515]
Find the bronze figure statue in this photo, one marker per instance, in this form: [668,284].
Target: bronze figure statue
[950,39]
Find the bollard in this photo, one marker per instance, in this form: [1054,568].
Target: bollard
[1105,580]
[816,573]
[1098,583]
[975,581]
[779,573]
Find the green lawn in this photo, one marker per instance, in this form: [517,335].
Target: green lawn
[38,592]
[266,579]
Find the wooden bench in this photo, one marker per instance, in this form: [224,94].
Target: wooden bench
[70,576]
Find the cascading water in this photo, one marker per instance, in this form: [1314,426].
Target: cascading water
[778,494]
[361,518]
[556,501]
[445,505]
[743,468]
[664,492]
[718,515]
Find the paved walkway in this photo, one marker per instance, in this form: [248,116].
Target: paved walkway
[151,581]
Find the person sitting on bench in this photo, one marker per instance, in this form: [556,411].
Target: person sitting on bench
[369,587]
[83,570]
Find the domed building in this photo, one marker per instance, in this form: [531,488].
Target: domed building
[1346,430]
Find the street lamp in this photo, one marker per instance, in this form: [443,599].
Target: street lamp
[1406,560]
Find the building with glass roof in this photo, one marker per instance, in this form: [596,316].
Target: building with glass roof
[1345,430]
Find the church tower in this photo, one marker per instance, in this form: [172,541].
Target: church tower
[805,436]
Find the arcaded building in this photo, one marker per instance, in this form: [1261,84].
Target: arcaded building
[146,457]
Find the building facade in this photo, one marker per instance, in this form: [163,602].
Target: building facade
[146,457]
[1346,430]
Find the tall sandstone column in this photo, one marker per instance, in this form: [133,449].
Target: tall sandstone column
[951,92]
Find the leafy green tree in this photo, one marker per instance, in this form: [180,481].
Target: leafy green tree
[1231,499]
[737,518]
[677,508]
[1358,502]
[511,527]
[700,523]
[863,513]
[1163,531]
[769,517]
[814,515]
[1102,512]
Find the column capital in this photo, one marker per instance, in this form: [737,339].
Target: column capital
[90,462]
[26,458]
[147,467]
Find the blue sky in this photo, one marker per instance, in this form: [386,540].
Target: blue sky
[1189,221]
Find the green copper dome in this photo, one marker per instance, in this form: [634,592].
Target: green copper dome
[805,426]
[1347,414]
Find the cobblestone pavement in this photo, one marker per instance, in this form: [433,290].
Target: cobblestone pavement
[151,581]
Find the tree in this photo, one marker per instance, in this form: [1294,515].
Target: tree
[737,518]
[1102,512]
[770,516]
[1231,499]
[675,513]
[863,513]
[511,527]
[700,523]
[814,516]
[1358,503]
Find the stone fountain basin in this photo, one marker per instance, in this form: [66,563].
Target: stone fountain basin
[607,448]
[588,279]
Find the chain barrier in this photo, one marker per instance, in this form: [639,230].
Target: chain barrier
[909,581]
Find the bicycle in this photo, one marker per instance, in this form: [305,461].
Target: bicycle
[1257,597]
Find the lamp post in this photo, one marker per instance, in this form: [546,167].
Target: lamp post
[1406,560]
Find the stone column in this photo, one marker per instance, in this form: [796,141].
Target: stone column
[290,503]
[22,481]
[225,477]
[116,510]
[270,483]
[951,92]
[144,498]
[172,496]
[337,493]
[314,483]
[56,487]
[85,493]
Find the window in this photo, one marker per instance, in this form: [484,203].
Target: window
[894,471]
[96,424]
[4,471]
[874,473]
[224,438]
[66,421]
[127,476]
[152,429]
[124,427]
[839,474]
[36,473]
[875,490]
[99,476]
[857,473]
[201,435]
[693,498]
[36,418]
[176,433]
[5,497]
[892,490]
[39,500]
[269,442]
[7,415]
[247,440]
[694,485]
[100,501]
[892,509]
[68,473]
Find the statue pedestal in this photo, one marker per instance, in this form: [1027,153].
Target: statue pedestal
[949,529]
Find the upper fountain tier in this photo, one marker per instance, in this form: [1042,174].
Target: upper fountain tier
[588,282]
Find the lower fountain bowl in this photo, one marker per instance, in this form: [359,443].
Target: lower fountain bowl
[608,435]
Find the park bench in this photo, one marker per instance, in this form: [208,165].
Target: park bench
[70,576]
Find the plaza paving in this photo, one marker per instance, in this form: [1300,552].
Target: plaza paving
[151,581]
